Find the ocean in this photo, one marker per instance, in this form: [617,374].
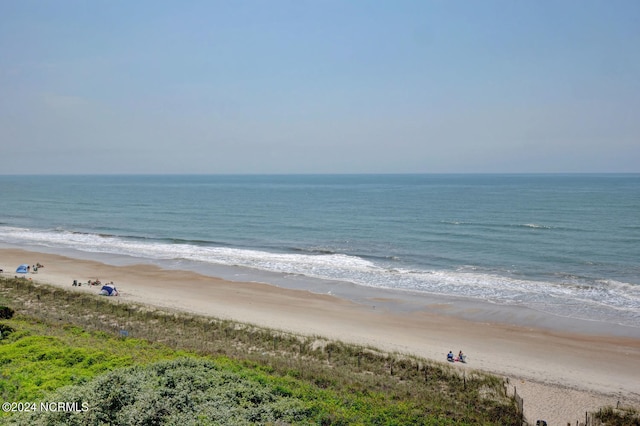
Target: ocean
[564,245]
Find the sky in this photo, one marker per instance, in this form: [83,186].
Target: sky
[249,86]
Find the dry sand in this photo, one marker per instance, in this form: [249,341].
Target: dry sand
[559,375]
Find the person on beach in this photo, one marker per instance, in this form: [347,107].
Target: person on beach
[461,357]
[450,356]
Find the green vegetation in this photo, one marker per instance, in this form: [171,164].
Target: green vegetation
[6,312]
[185,392]
[39,357]
[618,417]
[135,364]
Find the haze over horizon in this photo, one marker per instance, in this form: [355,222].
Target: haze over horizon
[290,87]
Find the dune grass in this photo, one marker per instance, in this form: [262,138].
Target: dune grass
[74,340]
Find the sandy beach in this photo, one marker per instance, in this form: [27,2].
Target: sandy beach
[560,375]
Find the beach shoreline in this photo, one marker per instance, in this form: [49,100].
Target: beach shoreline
[560,374]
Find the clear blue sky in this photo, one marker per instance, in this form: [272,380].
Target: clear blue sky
[319,86]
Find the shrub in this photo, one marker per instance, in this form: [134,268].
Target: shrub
[186,391]
[5,330]
[6,312]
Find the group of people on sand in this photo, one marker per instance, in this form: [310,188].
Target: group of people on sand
[108,289]
[460,358]
[33,269]
[89,283]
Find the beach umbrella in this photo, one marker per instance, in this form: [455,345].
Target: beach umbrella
[22,269]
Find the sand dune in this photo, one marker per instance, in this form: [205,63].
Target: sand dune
[560,375]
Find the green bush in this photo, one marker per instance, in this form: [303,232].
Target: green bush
[181,392]
[5,331]
[6,312]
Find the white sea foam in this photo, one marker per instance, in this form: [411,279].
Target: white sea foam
[536,226]
[571,296]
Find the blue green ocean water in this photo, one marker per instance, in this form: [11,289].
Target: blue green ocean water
[563,244]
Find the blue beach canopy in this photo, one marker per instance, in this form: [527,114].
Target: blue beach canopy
[108,290]
[22,269]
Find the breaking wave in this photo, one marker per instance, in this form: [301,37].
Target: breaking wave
[566,295]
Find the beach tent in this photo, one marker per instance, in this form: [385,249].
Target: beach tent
[108,290]
[22,269]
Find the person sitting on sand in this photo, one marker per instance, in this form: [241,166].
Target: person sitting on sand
[461,357]
[450,356]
